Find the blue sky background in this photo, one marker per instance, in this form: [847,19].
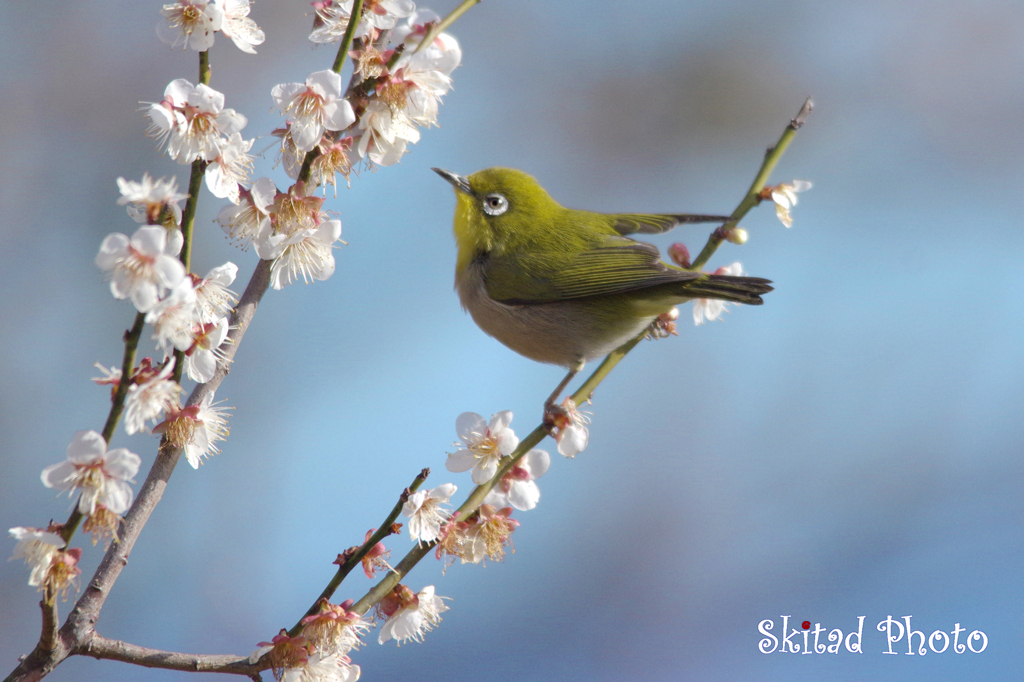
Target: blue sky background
[853,447]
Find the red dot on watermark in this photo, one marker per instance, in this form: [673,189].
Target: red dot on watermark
[806,625]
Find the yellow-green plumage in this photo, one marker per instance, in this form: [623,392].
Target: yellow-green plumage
[564,286]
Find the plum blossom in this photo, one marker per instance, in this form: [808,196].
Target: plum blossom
[333,159]
[410,616]
[323,668]
[237,25]
[191,119]
[421,78]
[139,267]
[63,572]
[190,23]
[173,318]
[517,488]
[230,168]
[314,106]
[283,652]
[151,392]
[487,535]
[111,377]
[333,18]
[146,200]
[375,559]
[38,548]
[482,444]
[200,124]
[102,475]
[569,428]
[385,133]
[197,429]
[298,238]
[242,223]
[784,196]
[305,253]
[202,358]
[334,629]
[425,513]
[213,298]
[712,308]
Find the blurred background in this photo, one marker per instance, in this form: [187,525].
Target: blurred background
[852,448]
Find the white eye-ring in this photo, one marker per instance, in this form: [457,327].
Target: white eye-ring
[495,204]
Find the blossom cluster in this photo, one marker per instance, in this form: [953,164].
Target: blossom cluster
[193,24]
[401,89]
[188,314]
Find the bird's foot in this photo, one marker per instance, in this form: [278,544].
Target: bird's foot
[664,325]
[555,417]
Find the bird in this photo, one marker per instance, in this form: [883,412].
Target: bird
[565,286]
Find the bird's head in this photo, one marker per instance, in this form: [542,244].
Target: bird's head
[497,209]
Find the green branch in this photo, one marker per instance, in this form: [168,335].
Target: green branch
[753,196]
[346,40]
[353,559]
[586,390]
[440,26]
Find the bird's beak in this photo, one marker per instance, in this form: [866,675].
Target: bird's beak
[460,183]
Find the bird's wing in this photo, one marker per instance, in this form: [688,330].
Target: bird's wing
[613,266]
[643,223]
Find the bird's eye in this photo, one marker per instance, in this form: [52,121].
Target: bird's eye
[495,204]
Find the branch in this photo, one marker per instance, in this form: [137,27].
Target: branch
[586,390]
[346,40]
[351,561]
[752,197]
[111,649]
[79,626]
[440,26]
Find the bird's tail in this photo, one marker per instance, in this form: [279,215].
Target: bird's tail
[730,288]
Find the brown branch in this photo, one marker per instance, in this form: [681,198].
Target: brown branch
[100,647]
[78,629]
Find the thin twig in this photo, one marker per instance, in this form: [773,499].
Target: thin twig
[752,197]
[586,390]
[111,649]
[353,560]
[440,26]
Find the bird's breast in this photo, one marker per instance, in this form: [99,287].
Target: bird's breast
[559,333]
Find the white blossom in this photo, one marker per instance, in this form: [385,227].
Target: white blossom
[145,200]
[190,23]
[385,133]
[414,619]
[148,399]
[305,252]
[377,14]
[518,487]
[482,444]
[425,513]
[313,106]
[321,668]
[242,223]
[211,427]
[784,196]
[102,475]
[237,25]
[37,547]
[139,268]
[202,358]
[173,318]
[230,168]
[213,298]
